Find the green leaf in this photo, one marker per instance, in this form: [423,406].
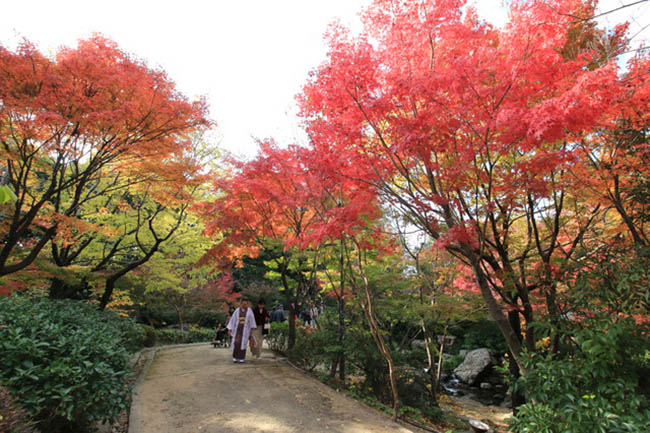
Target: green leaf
[6,194]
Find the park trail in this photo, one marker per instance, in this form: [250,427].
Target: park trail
[198,389]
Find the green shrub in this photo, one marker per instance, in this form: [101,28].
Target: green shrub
[452,363]
[65,362]
[307,350]
[598,378]
[412,385]
[278,337]
[482,333]
[330,349]
[13,419]
[132,335]
[310,349]
[176,336]
[592,389]
[150,335]
[161,316]
[206,319]
[361,352]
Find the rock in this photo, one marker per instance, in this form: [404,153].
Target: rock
[463,352]
[474,364]
[486,385]
[478,426]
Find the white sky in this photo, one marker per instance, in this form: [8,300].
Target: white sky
[248,57]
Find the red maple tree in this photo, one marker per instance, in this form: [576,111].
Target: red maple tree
[284,200]
[470,131]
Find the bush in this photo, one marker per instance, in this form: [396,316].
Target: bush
[150,335]
[160,316]
[206,319]
[307,349]
[361,352]
[330,349]
[278,338]
[453,362]
[312,345]
[13,419]
[133,336]
[482,333]
[592,389]
[65,362]
[413,388]
[176,336]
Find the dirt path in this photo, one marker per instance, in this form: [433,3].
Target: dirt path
[198,389]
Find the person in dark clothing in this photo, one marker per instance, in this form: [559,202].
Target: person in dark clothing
[278,314]
[306,317]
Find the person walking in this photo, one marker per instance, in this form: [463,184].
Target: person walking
[278,314]
[262,317]
[240,325]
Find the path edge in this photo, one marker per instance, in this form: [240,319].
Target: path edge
[382,414]
[150,354]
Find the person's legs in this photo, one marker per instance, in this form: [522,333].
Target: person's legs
[238,354]
[256,348]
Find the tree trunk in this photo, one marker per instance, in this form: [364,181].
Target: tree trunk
[381,345]
[440,356]
[513,339]
[292,326]
[333,365]
[517,398]
[341,338]
[108,292]
[341,311]
[434,378]
[291,304]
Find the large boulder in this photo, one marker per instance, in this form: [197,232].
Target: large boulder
[474,364]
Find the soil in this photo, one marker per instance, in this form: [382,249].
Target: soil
[197,388]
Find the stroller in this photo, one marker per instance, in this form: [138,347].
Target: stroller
[221,338]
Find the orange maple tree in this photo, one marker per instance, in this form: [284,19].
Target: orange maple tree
[70,122]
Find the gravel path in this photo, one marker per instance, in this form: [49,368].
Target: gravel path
[197,388]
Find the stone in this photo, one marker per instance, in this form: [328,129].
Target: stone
[478,426]
[474,364]
[463,352]
[486,385]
